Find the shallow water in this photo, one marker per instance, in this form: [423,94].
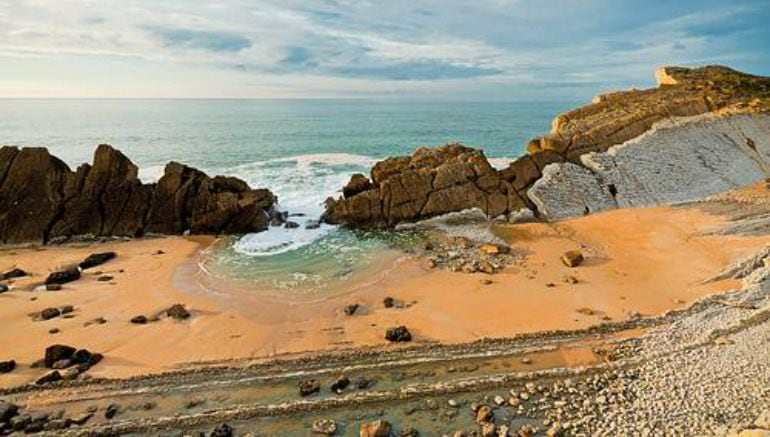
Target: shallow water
[303,150]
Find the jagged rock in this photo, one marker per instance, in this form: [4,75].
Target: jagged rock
[398,334]
[483,414]
[12,274]
[7,366]
[111,411]
[42,200]
[378,428]
[572,258]
[388,302]
[96,259]
[63,277]
[358,183]
[431,182]
[7,411]
[351,309]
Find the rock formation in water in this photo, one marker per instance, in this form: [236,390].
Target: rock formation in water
[701,131]
[42,200]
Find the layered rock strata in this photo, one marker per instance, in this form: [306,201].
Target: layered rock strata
[41,199]
[700,132]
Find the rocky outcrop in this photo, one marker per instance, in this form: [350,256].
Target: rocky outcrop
[41,199]
[431,182]
[701,131]
[676,161]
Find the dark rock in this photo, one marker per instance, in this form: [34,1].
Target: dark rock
[42,200]
[105,278]
[340,384]
[484,414]
[398,334]
[388,302]
[7,411]
[56,424]
[57,352]
[223,430]
[13,273]
[96,259]
[139,320]
[363,383]
[7,366]
[573,258]
[20,422]
[49,377]
[291,225]
[3,288]
[54,331]
[96,321]
[312,224]
[178,312]
[111,411]
[64,276]
[66,309]
[308,387]
[351,309]
[53,287]
[50,313]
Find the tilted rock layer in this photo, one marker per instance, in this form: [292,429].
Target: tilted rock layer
[41,199]
[701,131]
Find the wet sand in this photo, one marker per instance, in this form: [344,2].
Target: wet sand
[646,260]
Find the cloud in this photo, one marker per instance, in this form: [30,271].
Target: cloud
[415,70]
[485,49]
[199,39]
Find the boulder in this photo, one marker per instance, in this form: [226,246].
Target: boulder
[572,258]
[358,183]
[378,428]
[63,276]
[42,200]
[96,259]
[398,334]
[57,352]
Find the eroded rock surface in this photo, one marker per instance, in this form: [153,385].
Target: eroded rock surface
[42,200]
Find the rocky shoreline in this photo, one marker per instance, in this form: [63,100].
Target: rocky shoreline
[700,132]
[43,201]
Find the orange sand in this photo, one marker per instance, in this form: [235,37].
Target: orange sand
[647,260]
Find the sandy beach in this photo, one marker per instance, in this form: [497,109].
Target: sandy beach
[645,261]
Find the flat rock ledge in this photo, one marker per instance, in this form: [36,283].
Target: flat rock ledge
[42,200]
[702,131]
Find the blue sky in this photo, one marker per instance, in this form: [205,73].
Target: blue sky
[494,49]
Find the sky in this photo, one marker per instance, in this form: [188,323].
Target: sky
[481,49]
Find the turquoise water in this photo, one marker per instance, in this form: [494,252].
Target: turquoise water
[303,150]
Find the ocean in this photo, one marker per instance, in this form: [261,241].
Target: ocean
[302,150]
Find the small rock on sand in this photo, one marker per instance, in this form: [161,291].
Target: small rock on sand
[63,276]
[177,311]
[13,273]
[388,302]
[7,366]
[351,309]
[340,384]
[139,320]
[3,288]
[398,334]
[308,387]
[96,259]
[111,411]
[49,313]
[573,258]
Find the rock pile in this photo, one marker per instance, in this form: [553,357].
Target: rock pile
[42,200]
